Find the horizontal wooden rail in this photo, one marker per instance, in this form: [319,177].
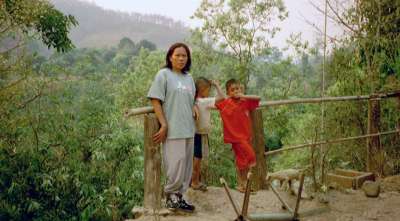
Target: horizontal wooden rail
[329,99]
[312,100]
[139,111]
[300,146]
[149,109]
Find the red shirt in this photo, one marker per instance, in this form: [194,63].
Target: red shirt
[235,116]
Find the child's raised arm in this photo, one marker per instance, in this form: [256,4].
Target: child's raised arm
[220,95]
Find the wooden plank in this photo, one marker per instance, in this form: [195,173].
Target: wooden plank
[152,165]
[350,178]
[349,173]
[343,181]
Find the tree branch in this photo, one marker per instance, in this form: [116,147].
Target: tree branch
[12,84]
[19,44]
[331,38]
[5,29]
[340,19]
[25,103]
[229,43]
[36,135]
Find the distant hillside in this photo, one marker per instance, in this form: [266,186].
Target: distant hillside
[99,27]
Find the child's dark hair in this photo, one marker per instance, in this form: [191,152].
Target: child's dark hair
[202,82]
[229,83]
[171,50]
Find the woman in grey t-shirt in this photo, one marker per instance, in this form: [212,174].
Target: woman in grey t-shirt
[172,96]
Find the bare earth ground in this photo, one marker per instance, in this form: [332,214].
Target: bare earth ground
[343,205]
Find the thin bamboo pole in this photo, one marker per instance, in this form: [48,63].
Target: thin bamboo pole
[313,100]
[329,142]
[322,134]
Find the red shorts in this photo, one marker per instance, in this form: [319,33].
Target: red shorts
[244,153]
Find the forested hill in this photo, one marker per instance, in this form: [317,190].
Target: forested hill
[99,27]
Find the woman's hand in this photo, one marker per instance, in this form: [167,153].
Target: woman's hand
[161,135]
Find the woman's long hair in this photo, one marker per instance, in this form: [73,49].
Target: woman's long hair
[171,50]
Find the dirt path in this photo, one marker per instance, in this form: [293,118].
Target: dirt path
[351,206]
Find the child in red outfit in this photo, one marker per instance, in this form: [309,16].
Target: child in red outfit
[235,114]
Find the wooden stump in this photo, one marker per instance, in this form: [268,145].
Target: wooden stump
[152,165]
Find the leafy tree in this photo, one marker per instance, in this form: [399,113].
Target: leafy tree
[373,27]
[127,49]
[241,27]
[363,62]
[146,44]
[126,44]
[51,25]
[138,78]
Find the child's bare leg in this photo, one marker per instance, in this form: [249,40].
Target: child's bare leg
[242,178]
[196,172]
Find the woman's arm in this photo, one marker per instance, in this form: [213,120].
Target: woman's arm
[161,135]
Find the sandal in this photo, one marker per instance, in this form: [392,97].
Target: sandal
[201,187]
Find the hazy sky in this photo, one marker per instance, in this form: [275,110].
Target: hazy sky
[300,11]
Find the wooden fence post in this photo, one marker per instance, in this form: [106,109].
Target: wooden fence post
[152,165]
[260,170]
[375,154]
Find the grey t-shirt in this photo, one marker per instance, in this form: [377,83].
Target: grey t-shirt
[176,92]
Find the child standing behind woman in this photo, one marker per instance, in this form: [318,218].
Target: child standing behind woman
[235,114]
[204,105]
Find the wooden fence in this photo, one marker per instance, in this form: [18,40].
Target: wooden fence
[152,155]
